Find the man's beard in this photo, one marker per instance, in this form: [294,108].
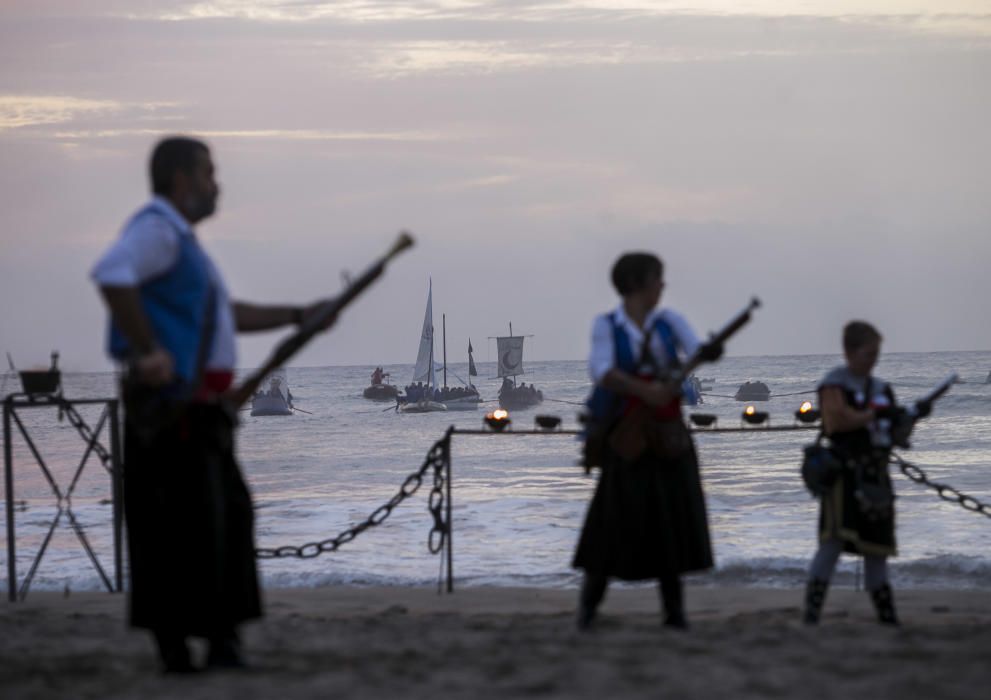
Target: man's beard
[199,206]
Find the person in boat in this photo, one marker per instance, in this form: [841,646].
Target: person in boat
[377,376]
[188,512]
[507,386]
[647,519]
[414,392]
[856,513]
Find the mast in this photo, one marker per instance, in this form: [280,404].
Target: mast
[443,326]
[511,335]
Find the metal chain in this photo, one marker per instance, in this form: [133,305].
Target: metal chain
[438,532]
[77,422]
[945,491]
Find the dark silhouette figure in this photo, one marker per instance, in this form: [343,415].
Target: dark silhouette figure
[189,515]
[647,519]
[857,513]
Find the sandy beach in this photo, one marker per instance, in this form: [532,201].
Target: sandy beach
[510,642]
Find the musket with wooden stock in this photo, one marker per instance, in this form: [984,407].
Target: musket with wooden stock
[636,431]
[716,340]
[324,317]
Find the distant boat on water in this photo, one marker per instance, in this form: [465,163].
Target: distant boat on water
[381,389]
[419,394]
[513,396]
[464,398]
[753,391]
[274,401]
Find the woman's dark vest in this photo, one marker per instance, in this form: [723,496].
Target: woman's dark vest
[604,405]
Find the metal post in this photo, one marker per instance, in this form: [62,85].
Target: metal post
[117,483]
[8,475]
[63,500]
[450,520]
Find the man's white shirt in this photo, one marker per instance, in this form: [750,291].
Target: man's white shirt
[148,247]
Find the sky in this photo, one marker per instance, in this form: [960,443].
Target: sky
[831,157]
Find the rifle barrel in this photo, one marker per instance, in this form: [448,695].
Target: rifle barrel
[320,321]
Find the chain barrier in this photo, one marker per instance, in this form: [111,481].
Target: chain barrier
[77,422]
[437,461]
[945,491]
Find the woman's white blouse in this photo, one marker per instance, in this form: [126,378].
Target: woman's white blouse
[602,357]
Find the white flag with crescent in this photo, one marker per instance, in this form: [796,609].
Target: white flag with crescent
[510,352]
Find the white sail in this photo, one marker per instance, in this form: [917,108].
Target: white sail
[425,370]
[510,353]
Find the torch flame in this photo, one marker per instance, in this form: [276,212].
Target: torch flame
[750,410]
[805,407]
[500,414]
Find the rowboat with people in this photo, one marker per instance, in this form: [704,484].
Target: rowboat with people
[381,389]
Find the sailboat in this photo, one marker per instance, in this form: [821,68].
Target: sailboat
[460,399]
[510,357]
[419,395]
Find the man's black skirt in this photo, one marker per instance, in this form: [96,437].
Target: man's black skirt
[190,524]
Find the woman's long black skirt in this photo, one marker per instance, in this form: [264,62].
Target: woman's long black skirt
[647,519]
[190,524]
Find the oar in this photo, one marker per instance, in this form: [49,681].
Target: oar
[309,413]
[323,319]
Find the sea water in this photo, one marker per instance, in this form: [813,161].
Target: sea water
[519,500]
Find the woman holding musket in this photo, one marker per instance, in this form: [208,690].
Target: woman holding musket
[860,417]
[647,519]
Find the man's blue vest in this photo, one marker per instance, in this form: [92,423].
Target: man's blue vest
[604,404]
[176,304]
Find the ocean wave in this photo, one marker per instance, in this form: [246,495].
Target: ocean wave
[942,571]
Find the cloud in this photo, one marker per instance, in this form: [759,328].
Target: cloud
[549,10]
[18,111]
[265,134]
[27,111]
[486,57]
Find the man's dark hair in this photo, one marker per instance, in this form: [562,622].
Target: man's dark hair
[857,334]
[633,271]
[172,154]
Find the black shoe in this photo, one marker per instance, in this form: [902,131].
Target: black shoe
[586,615]
[592,592]
[174,654]
[815,597]
[884,603]
[673,601]
[225,652]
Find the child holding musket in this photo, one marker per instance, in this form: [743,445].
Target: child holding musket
[857,513]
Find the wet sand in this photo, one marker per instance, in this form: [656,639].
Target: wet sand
[350,642]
